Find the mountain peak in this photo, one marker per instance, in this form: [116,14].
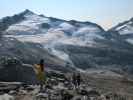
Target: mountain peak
[131,19]
[27,12]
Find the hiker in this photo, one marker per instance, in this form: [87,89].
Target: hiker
[39,69]
[78,78]
[74,81]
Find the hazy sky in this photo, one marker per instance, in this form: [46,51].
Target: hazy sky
[106,13]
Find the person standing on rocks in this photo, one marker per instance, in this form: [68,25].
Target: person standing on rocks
[39,69]
[74,80]
[78,79]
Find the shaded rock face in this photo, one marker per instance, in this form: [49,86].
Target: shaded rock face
[111,54]
[27,75]
[12,70]
[30,53]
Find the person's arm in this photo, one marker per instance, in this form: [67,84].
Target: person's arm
[36,68]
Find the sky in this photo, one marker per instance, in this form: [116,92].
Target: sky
[106,13]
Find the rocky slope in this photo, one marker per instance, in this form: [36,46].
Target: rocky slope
[111,55]
[27,53]
[95,86]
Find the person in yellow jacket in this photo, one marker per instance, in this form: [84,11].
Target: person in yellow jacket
[39,70]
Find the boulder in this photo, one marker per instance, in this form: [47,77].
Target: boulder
[12,70]
[6,87]
[6,97]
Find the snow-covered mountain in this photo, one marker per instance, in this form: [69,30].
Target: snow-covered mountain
[125,30]
[48,30]
[79,44]
[51,32]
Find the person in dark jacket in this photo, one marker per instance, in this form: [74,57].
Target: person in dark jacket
[78,79]
[74,80]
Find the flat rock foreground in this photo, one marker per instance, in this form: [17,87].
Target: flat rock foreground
[59,87]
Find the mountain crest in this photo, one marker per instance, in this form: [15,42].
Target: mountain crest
[131,19]
[27,12]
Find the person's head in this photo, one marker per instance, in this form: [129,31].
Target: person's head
[41,61]
[42,64]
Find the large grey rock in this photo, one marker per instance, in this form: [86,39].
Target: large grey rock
[6,97]
[12,70]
